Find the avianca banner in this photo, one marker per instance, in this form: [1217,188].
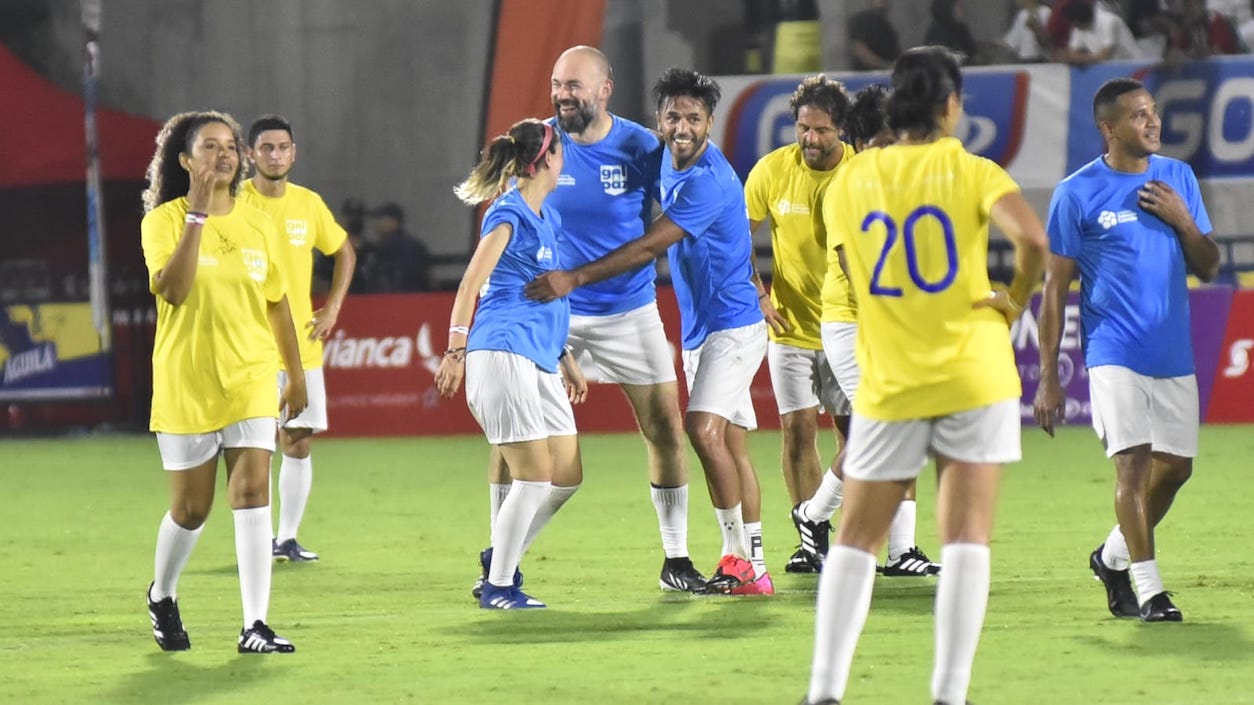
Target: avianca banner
[381,361]
[380,366]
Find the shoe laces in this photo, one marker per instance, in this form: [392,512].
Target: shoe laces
[263,630]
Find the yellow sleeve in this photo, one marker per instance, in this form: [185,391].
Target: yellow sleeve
[756,191]
[832,226]
[992,182]
[330,236]
[157,237]
[275,285]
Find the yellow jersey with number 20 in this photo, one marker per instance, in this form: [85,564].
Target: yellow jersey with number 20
[914,224]
[214,359]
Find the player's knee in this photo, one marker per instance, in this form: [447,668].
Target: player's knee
[190,512]
[663,431]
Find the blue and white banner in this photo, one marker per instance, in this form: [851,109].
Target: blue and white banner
[1007,117]
[1207,109]
[51,351]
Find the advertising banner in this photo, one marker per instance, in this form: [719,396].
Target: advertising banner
[1232,393]
[380,366]
[1206,107]
[1209,307]
[1011,117]
[51,351]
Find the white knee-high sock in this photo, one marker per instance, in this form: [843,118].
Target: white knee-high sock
[552,503]
[731,522]
[517,512]
[1115,551]
[901,532]
[497,492]
[295,479]
[843,603]
[1148,581]
[757,556]
[961,600]
[252,553]
[671,504]
[826,500]
[174,547]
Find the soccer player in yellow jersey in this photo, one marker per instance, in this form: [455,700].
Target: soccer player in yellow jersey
[304,223]
[866,127]
[786,186]
[938,372]
[222,324]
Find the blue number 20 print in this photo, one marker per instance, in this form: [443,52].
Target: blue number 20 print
[912,251]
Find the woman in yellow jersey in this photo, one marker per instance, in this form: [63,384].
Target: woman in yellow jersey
[222,323]
[938,373]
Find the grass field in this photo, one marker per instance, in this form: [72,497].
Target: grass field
[386,616]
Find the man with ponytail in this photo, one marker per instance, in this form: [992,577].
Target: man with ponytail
[705,233]
[511,356]
[938,373]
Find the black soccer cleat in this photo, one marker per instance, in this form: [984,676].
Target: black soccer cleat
[1119,596]
[680,575]
[292,551]
[815,535]
[260,639]
[802,561]
[911,564]
[1159,608]
[485,563]
[167,625]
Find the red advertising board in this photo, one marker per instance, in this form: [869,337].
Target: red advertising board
[1232,396]
[380,366]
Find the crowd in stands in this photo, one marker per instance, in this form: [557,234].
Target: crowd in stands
[389,258]
[1076,32]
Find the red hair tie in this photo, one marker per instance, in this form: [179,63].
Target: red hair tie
[544,148]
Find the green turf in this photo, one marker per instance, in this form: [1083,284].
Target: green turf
[386,616]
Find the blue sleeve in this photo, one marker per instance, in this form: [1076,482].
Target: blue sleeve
[697,205]
[1192,194]
[1064,224]
[497,214]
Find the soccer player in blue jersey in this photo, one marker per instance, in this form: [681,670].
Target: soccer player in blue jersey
[605,197]
[511,355]
[1135,225]
[704,230]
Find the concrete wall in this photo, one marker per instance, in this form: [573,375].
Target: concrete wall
[384,95]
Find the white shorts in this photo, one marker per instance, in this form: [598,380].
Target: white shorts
[840,346]
[314,417]
[898,450]
[1130,409]
[802,379]
[623,348]
[720,372]
[184,451]
[515,401]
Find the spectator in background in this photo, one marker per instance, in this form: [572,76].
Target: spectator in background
[949,29]
[1097,35]
[1027,37]
[1059,27]
[1150,23]
[1239,11]
[1200,33]
[1247,28]
[873,42]
[402,263]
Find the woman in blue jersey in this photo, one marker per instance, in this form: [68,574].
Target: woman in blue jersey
[511,355]
[938,375]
